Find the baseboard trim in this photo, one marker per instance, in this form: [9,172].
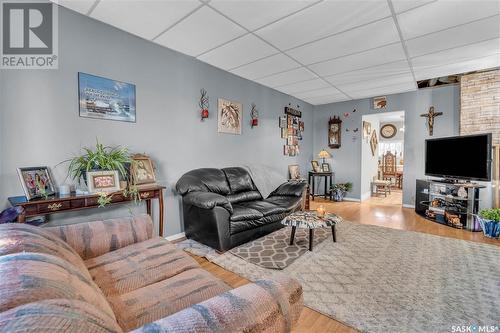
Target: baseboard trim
[409,206]
[366,196]
[352,199]
[175,237]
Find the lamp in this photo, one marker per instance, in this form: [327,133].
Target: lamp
[324,154]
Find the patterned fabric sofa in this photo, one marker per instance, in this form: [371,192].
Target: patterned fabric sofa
[113,276]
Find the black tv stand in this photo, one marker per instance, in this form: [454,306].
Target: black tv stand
[451,203]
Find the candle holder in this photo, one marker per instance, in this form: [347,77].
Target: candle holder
[320,211]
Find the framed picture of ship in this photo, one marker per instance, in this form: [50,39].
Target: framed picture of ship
[102,98]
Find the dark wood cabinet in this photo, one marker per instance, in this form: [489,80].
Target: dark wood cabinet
[55,204]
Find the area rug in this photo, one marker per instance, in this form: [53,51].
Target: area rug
[378,279]
[274,251]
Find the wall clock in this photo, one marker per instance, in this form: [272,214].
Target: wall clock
[388,131]
[334,132]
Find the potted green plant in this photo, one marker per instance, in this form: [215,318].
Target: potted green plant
[490,222]
[339,190]
[101,158]
[104,158]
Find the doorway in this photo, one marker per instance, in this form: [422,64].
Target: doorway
[382,158]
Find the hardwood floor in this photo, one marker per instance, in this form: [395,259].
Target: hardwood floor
[371,211]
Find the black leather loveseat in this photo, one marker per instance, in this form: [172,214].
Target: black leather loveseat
[223,208]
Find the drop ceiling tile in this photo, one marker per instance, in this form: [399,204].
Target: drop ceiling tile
[444,14]
[382,81]
[80,6]
[385,90]
[326,99]
[146,18]
[303,86]
[200,32]
[289,77]
[427,72]
[458,54]
[255,14]
[238,52]
[321,20]
[320,92]
[404,5]
[268,66]
[381,55]
[397,68]
[459,36]
[356,40]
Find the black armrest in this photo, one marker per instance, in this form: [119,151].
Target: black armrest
[207,200]
[291,189]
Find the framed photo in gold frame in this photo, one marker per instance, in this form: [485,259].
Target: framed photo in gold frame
[142,170]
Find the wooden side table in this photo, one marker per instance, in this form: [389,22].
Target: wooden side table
[312,182]
[72,202]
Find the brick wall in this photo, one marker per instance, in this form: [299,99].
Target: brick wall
[480,104]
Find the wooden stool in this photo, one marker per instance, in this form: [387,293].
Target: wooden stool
[380,186]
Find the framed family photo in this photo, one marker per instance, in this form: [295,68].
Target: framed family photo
[36,182]
[103,181]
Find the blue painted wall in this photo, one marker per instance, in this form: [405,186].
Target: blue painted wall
[347,160]
[41,124]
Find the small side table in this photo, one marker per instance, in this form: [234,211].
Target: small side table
[312,182]
[309,219]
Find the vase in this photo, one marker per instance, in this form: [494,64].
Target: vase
[490,228]
[338,195]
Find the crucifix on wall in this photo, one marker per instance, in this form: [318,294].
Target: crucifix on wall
[430,119]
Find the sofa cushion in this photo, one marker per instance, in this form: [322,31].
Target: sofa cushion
[244,196]
[57,315]
[241,213]
[265,207]
[203,180]
[239,179]
[91,239]
[289,203]
[290,188]
[164,298]
[31,277]
[18,238]
[138,265]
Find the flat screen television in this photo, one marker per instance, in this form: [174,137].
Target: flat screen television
[460,157]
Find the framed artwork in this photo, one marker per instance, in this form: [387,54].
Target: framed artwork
[229,117]
[367,130]
[379,102]
[36,182]
[282,121]
[102,98]
[334,132]
[103,181]
[388,131]
[373,142]
[294,171]
[284,133]
[315,166]
[142,170]
[325,167]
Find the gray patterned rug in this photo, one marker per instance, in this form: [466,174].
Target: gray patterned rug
[274,251]
[377,279]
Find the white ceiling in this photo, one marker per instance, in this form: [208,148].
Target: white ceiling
[320,51]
